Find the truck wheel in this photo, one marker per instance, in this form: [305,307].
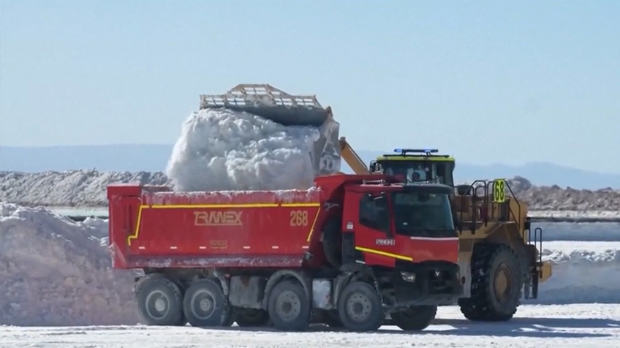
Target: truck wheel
[289,306]
[205,304]
[160,302]
[359,307]
[250,317]
[414,318]
[497,281]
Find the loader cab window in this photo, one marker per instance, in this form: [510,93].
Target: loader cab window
[412,171]
[421,171]
[443,171]
[422,214]
[374,212]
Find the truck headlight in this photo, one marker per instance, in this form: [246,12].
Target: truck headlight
[408,277]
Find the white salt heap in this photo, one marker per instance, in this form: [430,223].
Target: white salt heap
[57,272]
[227,150]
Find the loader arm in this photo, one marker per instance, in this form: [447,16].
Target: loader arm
[352,158]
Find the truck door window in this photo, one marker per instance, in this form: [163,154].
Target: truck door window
[374,215]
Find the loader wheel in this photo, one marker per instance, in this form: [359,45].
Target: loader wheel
[496,286]
[360,308]
[160,301]
[250,317]
[289,306]
[205,304]
[414,318]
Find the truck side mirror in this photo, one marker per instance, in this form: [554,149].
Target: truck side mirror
[383,216]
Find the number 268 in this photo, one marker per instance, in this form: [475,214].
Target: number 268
[299,218]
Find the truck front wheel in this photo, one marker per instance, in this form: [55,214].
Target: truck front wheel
[159,301]
[289,306]
[205,304]
[414,318]
[359,307]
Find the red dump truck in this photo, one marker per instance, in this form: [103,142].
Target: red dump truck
[353,251]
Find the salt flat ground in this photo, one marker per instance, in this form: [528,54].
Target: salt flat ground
[579,325]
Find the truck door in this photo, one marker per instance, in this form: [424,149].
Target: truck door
[368,217]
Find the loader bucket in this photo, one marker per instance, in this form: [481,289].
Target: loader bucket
[271,103]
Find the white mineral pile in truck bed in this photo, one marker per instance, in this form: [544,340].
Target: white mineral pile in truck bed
[57,272]
[228,150]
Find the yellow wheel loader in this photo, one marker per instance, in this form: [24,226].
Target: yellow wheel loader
[499,252]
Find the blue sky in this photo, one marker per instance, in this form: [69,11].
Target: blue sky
[486,81]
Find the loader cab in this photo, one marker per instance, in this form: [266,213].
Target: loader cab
[417,166]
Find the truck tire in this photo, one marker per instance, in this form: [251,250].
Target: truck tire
[360,308]
[414,318]
[289,306]
[250,317]
[160,302]
[205,305]
[497,280]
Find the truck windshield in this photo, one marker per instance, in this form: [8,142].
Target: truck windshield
[422,214]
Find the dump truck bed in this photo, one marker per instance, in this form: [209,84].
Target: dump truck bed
[155,227]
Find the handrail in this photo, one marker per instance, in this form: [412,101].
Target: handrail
[518,206]
[494,211]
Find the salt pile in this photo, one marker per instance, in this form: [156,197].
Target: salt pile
[72,188]
[583,272]
[57,272]
[228,150]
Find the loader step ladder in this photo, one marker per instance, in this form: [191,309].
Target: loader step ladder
[535,238]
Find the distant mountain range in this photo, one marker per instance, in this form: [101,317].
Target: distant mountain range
[151,158]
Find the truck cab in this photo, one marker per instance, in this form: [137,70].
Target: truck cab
[405,234]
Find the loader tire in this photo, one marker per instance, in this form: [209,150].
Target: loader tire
[160,301]
[205,305]
[250,317]
[289,306]
[332,241]
[360,308]
[414,318]
[497,281]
